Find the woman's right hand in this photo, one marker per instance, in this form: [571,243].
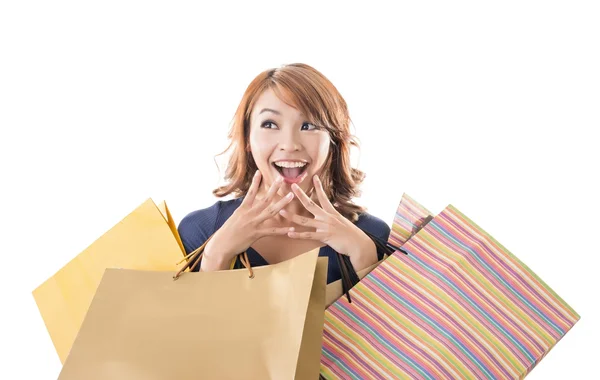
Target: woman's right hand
[245,226]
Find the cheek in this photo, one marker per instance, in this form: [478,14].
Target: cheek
[324,144]
[260,147]
[320,150]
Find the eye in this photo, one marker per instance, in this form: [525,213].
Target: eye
[269,124]
[309,125]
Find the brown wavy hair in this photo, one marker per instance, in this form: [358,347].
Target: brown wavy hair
[315,96]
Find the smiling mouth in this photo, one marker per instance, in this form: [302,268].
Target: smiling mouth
[292,175]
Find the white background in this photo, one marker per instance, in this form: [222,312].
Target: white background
[491,107]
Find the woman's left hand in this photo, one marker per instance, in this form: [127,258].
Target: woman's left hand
[332,228]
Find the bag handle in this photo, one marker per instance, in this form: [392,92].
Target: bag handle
[193,259]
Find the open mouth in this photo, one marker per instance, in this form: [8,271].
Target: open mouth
[292,174]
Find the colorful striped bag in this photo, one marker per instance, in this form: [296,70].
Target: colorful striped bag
[410,217]
[458,306]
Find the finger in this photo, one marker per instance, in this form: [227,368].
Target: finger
[320,236]
[301,220]
[308,203]
[273,209]
[273,190]
[275,231]
[252,191]
[323,200]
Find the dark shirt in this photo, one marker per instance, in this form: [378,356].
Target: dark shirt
[196,227]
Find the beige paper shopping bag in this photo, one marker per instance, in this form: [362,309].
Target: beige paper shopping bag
[146,239]
[205,325]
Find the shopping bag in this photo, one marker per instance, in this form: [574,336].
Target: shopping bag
[459,305]
[410,217]
[335,290]
[146,239]
[205,325]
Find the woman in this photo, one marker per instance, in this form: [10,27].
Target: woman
[292,180]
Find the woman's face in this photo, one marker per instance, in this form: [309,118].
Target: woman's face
[283,143]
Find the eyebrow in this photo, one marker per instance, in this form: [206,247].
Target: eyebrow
[269,110]
[274,111]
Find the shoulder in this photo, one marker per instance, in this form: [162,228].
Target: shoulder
[197,226]
[374,225]
[208,215]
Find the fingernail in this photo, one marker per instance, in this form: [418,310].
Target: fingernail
[256,174]
[290,195]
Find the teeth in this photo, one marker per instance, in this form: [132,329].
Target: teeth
[287,164]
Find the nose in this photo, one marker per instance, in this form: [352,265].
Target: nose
[290,141]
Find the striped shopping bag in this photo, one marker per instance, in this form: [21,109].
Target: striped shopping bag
[410,217]
[458,306]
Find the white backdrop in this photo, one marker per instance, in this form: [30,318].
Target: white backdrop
[491,108]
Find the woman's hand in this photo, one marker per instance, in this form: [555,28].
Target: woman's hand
[244,226]
[332,228]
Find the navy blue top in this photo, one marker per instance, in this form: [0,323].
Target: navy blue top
[196,227]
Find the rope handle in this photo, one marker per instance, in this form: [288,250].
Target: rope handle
[194,257]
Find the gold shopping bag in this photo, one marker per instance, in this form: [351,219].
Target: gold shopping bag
[146,239]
